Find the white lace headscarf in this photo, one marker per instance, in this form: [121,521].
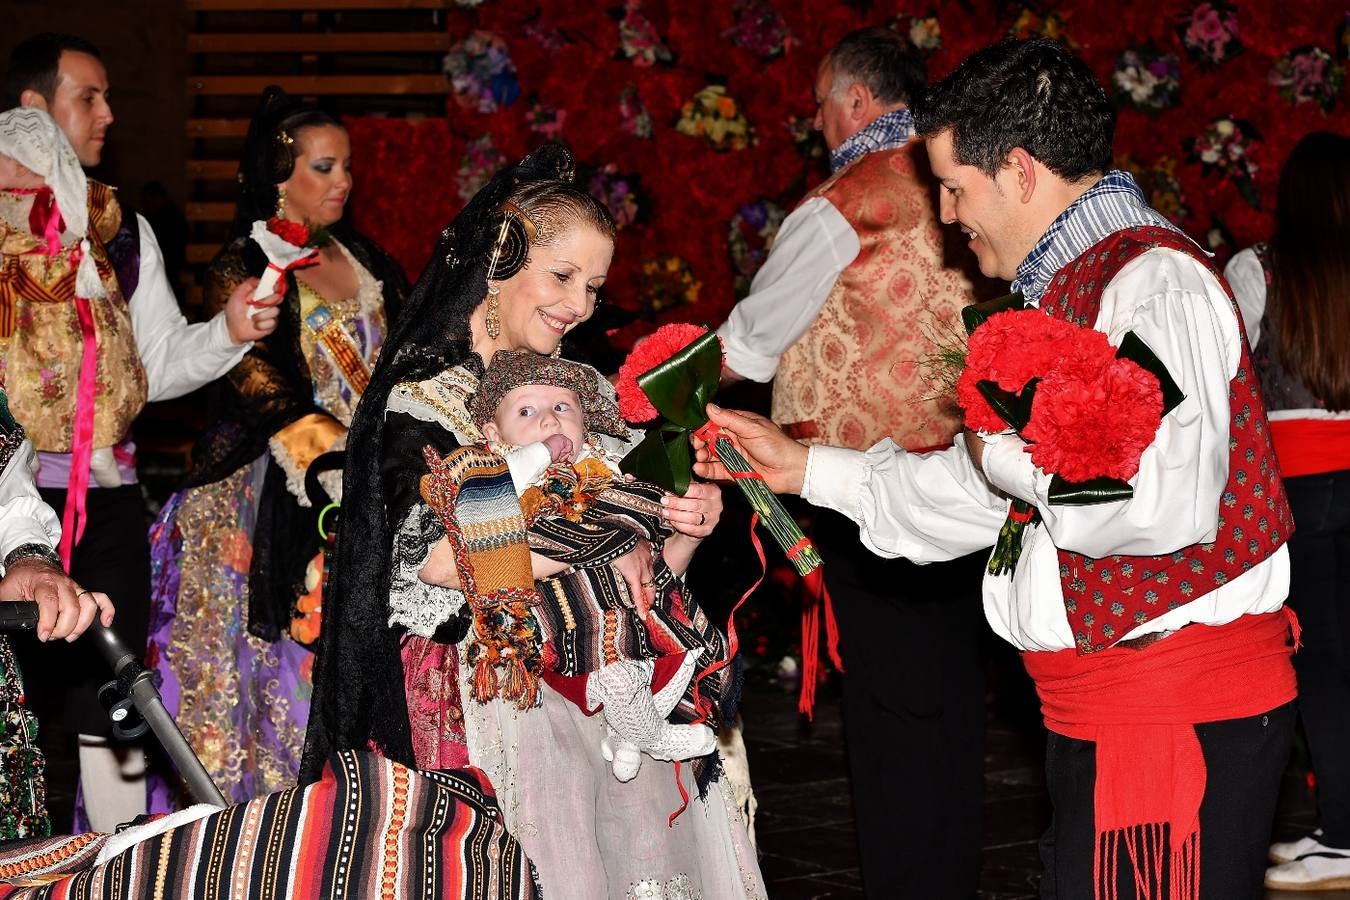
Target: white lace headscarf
[33,139]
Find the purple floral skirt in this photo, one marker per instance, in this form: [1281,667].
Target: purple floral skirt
[242,702]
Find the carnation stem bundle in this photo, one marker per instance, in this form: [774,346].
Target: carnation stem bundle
[800,551]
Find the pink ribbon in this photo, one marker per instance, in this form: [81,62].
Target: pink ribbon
[74,516]
[44,217]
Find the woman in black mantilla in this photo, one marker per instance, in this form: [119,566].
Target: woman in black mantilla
[518,268]
[237,554]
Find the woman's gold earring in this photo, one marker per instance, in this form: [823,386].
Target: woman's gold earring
[557,351]
[494,319]
[281,203]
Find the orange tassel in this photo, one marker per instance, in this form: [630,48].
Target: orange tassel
[484,680]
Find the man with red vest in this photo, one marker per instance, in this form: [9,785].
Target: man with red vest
[1153,626]
[837,316]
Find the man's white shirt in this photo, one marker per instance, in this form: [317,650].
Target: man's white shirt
[938,506]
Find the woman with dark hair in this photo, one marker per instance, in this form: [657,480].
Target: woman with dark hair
[408,641]
[237,554]
[1294,293]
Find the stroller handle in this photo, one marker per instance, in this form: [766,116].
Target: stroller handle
[137,682]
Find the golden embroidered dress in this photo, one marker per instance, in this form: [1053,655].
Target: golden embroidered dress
[235,555]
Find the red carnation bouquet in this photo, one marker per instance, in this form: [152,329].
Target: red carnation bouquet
[287,245]
[673,373]
[1087,410]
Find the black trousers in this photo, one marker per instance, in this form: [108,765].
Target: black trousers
[1319,591]
[1244,760]
[913,707]
[113,557]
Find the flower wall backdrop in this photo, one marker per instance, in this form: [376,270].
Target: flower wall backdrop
[691,119]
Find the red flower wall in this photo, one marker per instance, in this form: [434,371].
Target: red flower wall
[570,58]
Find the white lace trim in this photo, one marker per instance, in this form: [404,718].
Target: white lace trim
[439,401]
[677,887]
[413,604]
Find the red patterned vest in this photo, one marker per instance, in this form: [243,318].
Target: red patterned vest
[1106,598]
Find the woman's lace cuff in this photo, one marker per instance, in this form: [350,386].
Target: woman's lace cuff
[413,604]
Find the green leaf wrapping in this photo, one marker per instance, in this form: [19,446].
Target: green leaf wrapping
[663,458]
[1015,409]
[681,387]
[1085,493]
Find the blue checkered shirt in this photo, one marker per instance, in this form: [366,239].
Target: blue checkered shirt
[886,132]
[1112,204]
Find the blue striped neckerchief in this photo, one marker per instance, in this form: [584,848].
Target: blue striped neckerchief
[886,132]
[1112,204]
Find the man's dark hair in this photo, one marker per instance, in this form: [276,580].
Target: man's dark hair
[1032,94]
[881,59]
[33,64]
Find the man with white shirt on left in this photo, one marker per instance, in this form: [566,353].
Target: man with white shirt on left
[29,533]
[86,363]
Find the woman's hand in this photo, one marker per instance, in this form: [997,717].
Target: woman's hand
[244,327]
[696,513]
[635,568]
[439,568]
[693,516]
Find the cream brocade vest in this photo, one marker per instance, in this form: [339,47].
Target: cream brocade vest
[41,340]
[854,377]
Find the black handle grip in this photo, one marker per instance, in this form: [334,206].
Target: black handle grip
[22,615]
[18,615]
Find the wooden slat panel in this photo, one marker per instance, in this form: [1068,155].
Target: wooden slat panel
[243,85]
[217,128]
[201,253]
[227,5]
[351,42]
[210,212]
[213,169]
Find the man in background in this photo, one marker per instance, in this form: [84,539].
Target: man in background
[165,357]
[837,317]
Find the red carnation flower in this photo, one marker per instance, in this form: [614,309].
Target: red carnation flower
[293,233]
[1099,426]
[647,354]
[1009,349]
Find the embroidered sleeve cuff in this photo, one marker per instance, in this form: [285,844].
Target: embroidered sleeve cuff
[1008,466]
[300,443]
[835,476]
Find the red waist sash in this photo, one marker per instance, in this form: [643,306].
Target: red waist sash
[1311,446]
[1140,708]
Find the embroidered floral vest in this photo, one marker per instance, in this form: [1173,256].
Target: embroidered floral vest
[1106,598]
[854,377]
[41,337]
